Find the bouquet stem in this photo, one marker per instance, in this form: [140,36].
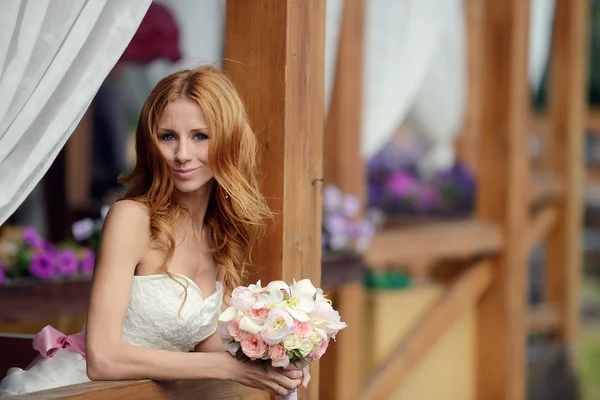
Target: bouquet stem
[291,396]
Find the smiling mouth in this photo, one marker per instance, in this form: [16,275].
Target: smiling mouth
[185,172]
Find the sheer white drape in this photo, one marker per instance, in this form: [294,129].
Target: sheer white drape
[416,71]
[54,55]
[400,42]
[333,26]
[439,107]
[540,39]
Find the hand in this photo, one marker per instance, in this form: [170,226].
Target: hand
[301,366]
[275,380]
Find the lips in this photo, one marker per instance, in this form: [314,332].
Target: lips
[184,173]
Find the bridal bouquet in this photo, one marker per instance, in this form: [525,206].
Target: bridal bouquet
[279,324]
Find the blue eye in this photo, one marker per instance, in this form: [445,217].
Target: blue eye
[200,136]
[167,137]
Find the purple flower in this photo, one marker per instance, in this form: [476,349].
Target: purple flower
[427,198]
[65,263]
[83,229]
[42,266]
[31,237]
[87,264]
[338,242]
[335,224]
[351,205]
[400,183]
[332,198]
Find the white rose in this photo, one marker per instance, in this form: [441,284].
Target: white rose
[315,338]
[306,347]
[291,342]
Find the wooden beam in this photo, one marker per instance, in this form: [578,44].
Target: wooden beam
[431,242]
[542,226]
[566,158]
[502,197]
[543,318]
[146,389]
[546,187]
[343,166]
[468,141]
[275,56]
[462,296]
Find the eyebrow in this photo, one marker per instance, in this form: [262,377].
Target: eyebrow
[169,130]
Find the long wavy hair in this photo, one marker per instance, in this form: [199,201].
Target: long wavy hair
[237,211]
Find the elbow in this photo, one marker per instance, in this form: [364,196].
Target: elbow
[101,366]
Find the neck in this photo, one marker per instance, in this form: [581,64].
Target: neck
[197,203]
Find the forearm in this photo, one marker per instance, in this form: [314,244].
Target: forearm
[213,344]
[127,361]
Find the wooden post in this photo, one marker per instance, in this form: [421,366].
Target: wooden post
[344,368]
[468,142]
[566,159]
[503,198]
[275,56]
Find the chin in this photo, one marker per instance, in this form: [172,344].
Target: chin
[190,186]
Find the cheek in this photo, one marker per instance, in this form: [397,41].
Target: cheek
[166,150]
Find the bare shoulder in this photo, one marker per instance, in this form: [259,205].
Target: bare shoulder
[127,221]
[130,211]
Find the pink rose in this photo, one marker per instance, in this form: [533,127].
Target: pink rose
[279,356]
[259,313]
[319,351]
[253,346]
[303,329]
[235,331]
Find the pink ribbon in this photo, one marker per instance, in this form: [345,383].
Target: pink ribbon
[48,341]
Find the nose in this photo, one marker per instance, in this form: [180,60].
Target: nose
[183,153]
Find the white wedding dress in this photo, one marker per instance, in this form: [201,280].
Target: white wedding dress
[153,320]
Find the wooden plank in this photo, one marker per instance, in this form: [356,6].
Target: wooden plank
[427,243]
[566,159]
[543,318]
[343,166]
[543,225]
[468,142]
[502,197]
[148,390]
[546,187]
[461,296]
[275,56]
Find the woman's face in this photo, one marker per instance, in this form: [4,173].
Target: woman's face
[183,139]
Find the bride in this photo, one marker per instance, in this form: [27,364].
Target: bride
[178,241]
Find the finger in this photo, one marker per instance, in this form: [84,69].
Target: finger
[306,377]
[285,382]
[292,373]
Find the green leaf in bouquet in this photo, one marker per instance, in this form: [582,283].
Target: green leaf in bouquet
[299,355]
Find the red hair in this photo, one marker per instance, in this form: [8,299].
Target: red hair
[237,211]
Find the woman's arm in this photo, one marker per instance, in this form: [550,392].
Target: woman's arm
[125,239]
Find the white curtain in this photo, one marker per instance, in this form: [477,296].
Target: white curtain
[439,107]
[401,39]
[54,55]
[540,39]
[333,25]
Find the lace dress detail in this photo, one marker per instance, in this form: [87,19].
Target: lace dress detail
[154,318]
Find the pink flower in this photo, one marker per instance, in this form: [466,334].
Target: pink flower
[303,330]
[242,298]
[253,346]
[400,183]
[279,356]
[234,330]
[259,313]
[319,351]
